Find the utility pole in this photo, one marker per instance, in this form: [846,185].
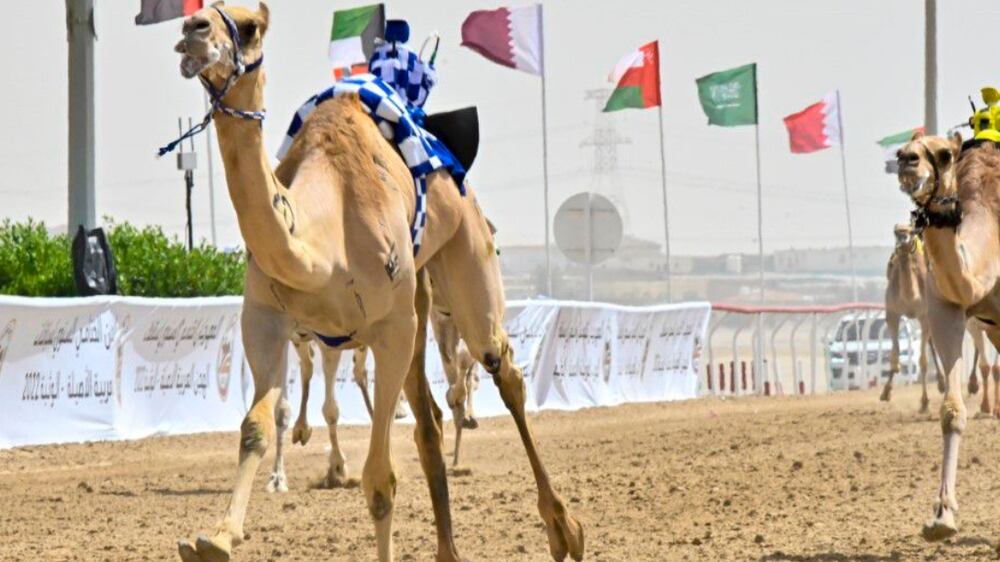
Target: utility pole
[81,34]
[930,67]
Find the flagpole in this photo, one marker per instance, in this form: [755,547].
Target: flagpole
[211,178]
[760,367]
[847,201]
[545,157]
[666,214]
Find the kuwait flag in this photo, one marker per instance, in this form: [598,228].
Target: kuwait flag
[352,38]
[892,143]
[815,127]
[511,37]
[155,11]
[637,76]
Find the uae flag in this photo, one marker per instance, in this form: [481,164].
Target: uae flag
[815,127]
[637,76]
[155,11]
[352,38]
[511,37]
[892,143]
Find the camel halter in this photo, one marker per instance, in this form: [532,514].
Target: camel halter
[922,216]
[217,105]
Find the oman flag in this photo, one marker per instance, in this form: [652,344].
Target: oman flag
[815,127]
[637,76]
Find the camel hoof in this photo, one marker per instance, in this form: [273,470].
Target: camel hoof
[204,550]
[924,405]
[277,483]
[470,423]
[301,434]
[565,537]
[940,528]
[338,479]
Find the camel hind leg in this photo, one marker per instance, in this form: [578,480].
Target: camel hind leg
[265,338]
[301,432]
[925,338]
[466,274]
[892,326]
[336,474]
[277,481]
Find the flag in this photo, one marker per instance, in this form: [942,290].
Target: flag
[729,97]
[892,143]
[637,76]
[155,11]
[815,127]
[511,37]
[352,37]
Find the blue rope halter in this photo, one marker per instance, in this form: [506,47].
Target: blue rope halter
[240,69]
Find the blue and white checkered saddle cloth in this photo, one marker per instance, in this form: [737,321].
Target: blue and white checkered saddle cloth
[422,151]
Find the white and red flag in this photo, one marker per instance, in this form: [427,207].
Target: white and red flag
[511,37]
[815,127]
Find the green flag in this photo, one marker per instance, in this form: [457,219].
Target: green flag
[729,98]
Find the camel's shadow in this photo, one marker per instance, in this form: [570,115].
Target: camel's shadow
[182,493]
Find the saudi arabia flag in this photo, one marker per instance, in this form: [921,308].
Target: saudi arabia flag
[352,38]
[892,143]
[637,76]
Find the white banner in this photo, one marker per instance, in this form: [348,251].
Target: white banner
[125,368]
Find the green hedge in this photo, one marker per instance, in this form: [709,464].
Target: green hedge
[150,264]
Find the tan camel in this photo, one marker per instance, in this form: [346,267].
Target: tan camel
[460,370]
[329,237]
[904,297]
[958,202]
[977,329]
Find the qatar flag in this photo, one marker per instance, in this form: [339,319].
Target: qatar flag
[815,127]
[511,37]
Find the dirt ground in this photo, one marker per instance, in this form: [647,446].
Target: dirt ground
[829,478]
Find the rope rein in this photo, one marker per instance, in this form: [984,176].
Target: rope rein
[217,105]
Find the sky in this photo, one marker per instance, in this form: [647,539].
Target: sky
[872,51]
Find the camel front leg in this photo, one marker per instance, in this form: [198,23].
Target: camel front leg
[892,326]
[265,339]
[336,473]
[428,431]
[301,432]
[393,353]
[948,330]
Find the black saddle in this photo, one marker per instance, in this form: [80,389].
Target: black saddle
[459,131]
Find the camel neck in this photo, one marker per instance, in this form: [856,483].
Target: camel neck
[264,212]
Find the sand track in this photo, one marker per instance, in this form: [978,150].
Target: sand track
[831,478]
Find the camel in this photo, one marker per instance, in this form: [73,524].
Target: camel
[336,476]
[957,193]
[332,253]
[977,329]
[459,367]
[904,297]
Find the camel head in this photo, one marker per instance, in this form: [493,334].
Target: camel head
[904,234]
[207,47]
[927,167]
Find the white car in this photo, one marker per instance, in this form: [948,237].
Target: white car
[858,362]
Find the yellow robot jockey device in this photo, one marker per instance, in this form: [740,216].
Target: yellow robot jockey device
[985,122]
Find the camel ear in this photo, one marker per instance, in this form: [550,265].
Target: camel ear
[945,156]
[916,135]
[263,17]
[956,143]
[219,4]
